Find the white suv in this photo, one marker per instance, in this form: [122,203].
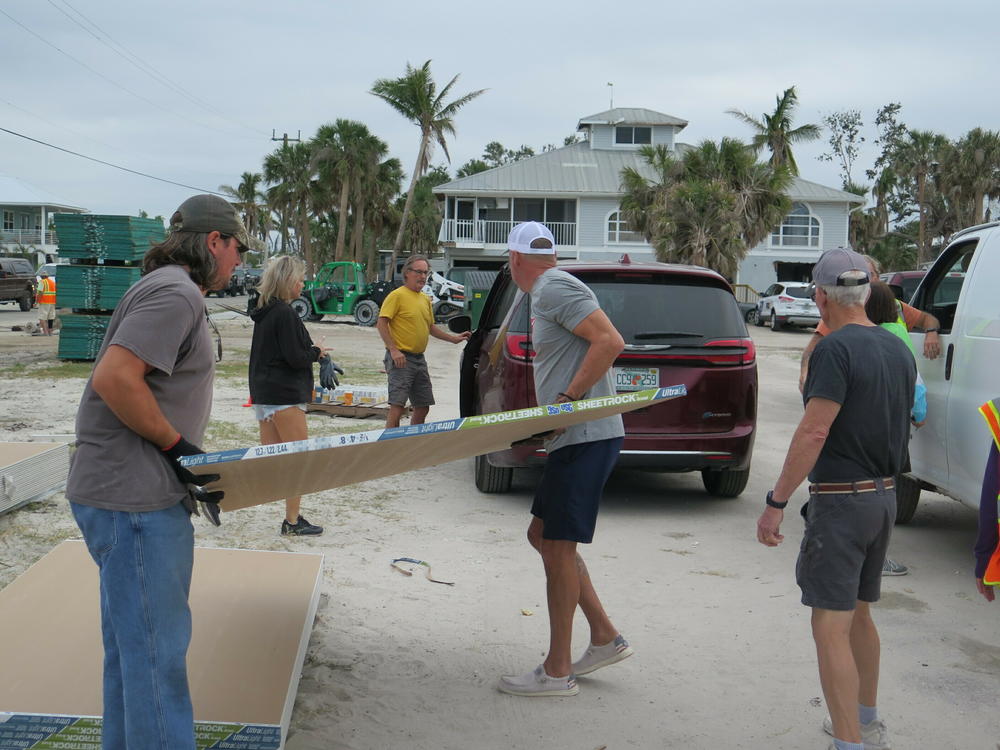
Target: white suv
[949,453]
[786,303]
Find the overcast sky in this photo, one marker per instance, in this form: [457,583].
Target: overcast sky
[294,66]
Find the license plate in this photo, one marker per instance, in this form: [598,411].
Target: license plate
[636,378]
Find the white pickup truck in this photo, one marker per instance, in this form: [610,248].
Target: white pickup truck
[948,454]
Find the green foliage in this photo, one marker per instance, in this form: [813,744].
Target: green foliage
[49,370]
[775,130]
[471,167]
[707,207]
[845,138]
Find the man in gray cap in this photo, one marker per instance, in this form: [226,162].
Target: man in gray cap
[851,443]
[576,345]
[146,405]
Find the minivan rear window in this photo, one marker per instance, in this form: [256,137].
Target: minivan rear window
[657,308]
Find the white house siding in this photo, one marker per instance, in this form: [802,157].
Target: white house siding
[603,136]
[592,220]
[758,267]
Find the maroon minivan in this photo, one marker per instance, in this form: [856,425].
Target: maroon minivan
[681,326]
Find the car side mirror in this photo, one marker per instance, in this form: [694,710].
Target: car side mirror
[897,290]
[460,323]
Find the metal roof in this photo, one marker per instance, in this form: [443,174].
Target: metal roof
[578,170]
[631,116]
[16,192]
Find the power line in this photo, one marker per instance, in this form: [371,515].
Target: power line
[136,61]
[109,164]
[55,124]
[104,77]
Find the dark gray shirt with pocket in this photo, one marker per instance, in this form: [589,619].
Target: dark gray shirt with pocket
[870,372]
[161,320]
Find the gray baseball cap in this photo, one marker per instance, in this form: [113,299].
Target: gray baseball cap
[832,266]
[212,213]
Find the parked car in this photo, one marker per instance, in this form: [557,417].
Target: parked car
[948,454]
[237,284]
[681,325]
[253,277]
[786,303]
[17,282]
[905,283]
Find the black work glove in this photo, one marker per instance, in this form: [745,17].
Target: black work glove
[209,501]
[328,370]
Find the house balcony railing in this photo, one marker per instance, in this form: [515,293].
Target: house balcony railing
[495,232]
[26,237]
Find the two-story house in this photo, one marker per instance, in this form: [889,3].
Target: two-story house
[576,191]
[26,212]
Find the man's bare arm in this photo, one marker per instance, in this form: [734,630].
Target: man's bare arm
[804,362]
[120,380]
[605,345]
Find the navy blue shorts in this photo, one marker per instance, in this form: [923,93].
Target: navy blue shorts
[569,494]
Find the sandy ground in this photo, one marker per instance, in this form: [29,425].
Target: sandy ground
[724,657]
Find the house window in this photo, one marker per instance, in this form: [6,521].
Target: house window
[628,135]
[8,221]
[798,229]
[620,231]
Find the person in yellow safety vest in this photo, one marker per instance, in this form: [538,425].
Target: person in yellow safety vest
[46,298]
[987,548]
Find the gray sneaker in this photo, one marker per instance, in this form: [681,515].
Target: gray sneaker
[596,657]
[537,684]
[893,568]
[874,734]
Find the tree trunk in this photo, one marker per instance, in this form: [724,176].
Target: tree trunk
[358,231]
[922,225]
[307,246]
[978,212]
[398,244]
[342,219]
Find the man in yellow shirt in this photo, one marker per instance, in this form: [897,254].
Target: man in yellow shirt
[405,323]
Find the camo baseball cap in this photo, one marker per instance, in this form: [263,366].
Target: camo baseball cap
[212,213]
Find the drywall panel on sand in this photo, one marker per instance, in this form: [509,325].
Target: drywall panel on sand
[252,614]
[272,472]
[29,470]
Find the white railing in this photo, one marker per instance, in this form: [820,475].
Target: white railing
[26,237]
[495,232]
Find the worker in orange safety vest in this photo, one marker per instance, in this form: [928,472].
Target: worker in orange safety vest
[45,295]
[988,542]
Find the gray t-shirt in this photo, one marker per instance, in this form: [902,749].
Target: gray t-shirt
[161,320]
[870,372]
[559,303]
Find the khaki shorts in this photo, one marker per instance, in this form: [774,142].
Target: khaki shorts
[46,311]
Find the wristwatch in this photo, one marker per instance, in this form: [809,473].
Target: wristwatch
[772,502]
[932,330]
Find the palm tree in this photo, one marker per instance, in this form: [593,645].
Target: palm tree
[979,169]
[709,206]
[917,155]
[288,170]
[415,96]
[248,199]
[776,132]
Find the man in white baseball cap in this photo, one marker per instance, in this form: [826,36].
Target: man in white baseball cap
[575,345]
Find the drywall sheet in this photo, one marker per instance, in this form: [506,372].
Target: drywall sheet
[272,472]
[28,470]
[252,613]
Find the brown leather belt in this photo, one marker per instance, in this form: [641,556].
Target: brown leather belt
[849,488]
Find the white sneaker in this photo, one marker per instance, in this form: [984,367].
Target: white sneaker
[537,684]
[874,734]
[596,657]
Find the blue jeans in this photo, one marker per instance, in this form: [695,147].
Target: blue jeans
[145,562]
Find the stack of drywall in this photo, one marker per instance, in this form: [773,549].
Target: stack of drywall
[29,470]
[105,253]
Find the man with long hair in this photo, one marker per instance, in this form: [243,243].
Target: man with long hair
[145,406]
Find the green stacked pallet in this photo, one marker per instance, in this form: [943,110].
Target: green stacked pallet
[82,335]
[94,287]
[102,237]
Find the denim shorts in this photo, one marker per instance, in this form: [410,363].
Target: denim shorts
[843,548]
[568,496]
[264,412]
[412,382]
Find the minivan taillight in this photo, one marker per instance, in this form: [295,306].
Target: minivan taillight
[746,357]
[519,347]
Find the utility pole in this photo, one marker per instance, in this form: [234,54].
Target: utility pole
[284,138]
[612,95]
